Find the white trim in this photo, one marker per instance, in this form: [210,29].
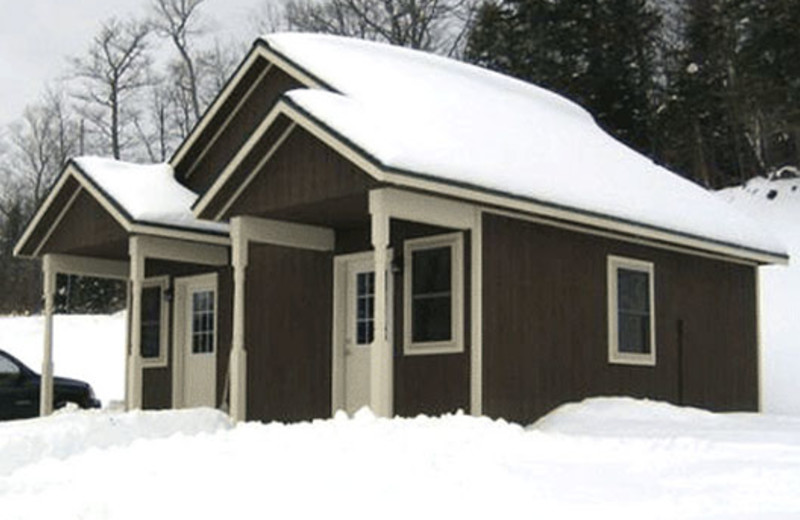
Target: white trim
[759,341]
[381,354]
[428,209]
[476,319]
[41,211]
[181,328]
[694,245]
[180,234]
[341,299]
[162,282]
[190,170]
[182,251]
[57,221]
[49,289]
[289,234]
[90,266]
[455,241]
[264,160]
[615,356]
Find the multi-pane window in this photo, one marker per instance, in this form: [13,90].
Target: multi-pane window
[203,322]
[151,322]
[433,294]
[365,307]
[631,314]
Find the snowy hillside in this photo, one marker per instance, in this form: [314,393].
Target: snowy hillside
[601,459]
[776,203]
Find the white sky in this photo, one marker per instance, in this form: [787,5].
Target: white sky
[36,37]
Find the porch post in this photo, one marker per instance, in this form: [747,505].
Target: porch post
[381,380]
[49,289]
[134,383]
[238,359]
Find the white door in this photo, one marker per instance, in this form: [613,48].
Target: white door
[357,323]
[197,297]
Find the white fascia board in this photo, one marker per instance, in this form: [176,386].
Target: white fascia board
[180,234]
[89,266]
[287,234]
[656,236]
[182,251]
[428,209]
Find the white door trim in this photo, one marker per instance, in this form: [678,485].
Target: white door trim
[339,327]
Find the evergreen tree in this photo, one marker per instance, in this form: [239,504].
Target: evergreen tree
[601,54]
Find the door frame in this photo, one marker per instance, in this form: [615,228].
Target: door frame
[339,327]
[180,323]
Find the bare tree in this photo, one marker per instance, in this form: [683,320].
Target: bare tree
[116,67]
[433,25]
[178,20]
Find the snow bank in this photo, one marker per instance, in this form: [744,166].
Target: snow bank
[776,204]
[90,348]
[449,467]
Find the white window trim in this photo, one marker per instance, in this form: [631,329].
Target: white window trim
[614,355]
[456,344]
[161,360]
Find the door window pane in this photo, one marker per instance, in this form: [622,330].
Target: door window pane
[365,307]
[203,322]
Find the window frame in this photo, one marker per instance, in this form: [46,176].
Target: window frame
[162,282]
[615,356]
[455,241]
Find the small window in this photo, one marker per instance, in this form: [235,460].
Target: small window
[433,295]
[155,315]
[365,307]
[203,326]
[631,316]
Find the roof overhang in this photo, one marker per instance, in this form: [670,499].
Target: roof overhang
[73,172]
[420,181]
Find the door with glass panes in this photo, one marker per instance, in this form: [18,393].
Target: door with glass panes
[197,302]
[359,319]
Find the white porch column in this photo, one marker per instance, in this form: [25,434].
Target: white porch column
[381,380]
[134,383]
[49,289]
[238,359]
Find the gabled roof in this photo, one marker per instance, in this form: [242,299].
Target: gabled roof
[141,198]
[435,118]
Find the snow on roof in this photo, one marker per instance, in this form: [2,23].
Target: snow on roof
[434,116]
[148,193]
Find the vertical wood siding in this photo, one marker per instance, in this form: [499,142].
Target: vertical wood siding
[545,324]
[237,131]
[288,333]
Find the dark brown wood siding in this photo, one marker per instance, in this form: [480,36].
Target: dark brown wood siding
[430,384]
[302,171]
[157,381]
[545,336]
[88,229]
[288,333]
[206,158]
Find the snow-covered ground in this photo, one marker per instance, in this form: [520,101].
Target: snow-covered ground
[90,348]
[604,458]
[776,204]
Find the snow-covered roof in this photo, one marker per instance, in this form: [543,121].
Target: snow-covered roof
[423,114]
[147,193]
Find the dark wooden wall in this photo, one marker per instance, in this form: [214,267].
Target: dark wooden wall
[545,338]
[288,333]
[157,381]
[210,162]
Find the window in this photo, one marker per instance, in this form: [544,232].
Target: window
[155,315]
[434,295]
[9,371]
[631,317]
[365,307]
[203,325]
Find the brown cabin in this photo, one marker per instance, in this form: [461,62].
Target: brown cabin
[503,289]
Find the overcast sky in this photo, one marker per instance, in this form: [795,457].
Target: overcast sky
[36,36]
